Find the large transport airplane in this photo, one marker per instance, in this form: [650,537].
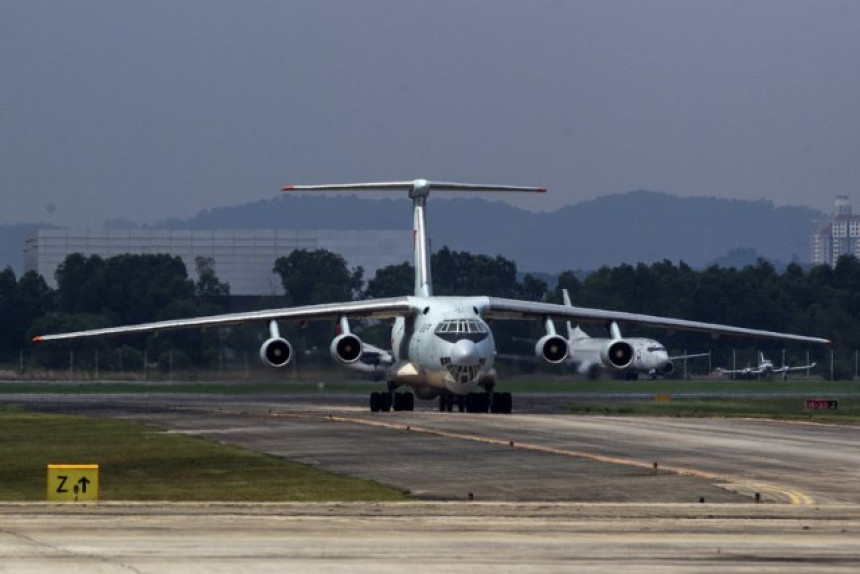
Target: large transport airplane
[631,356]
[443,346]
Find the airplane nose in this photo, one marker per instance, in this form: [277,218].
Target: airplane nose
[465,353]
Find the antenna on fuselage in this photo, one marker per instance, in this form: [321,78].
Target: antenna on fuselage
[418,189]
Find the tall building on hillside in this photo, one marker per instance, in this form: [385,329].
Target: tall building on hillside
[836,235]
[242,258]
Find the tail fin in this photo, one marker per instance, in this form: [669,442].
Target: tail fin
[418,190]
[573,333]
[567,303]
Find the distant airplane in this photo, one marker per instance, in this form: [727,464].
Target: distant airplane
[373,361]
[443,346]
[764,369]
[632,356]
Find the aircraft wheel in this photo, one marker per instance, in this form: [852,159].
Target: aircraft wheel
[502,403]
[385,402]
[375,402]
[404,402]
[478,402]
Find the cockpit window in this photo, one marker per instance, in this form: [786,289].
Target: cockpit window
[454,329]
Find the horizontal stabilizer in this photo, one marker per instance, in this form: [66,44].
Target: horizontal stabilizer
[417,186]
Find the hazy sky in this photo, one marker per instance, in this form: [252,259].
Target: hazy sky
[147,110]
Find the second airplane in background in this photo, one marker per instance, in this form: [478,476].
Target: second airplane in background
[631,356]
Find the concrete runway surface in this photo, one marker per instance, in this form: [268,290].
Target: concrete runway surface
[550,492]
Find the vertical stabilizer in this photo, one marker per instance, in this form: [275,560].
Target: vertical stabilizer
[567,303]
[574,333]
[419,190]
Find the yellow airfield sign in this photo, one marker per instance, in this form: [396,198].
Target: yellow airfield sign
[73,482]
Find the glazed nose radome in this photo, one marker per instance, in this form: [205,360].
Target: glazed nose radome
[464,353]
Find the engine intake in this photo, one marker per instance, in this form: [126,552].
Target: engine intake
[618,354]
[552,349]
[276,352]
[346,348]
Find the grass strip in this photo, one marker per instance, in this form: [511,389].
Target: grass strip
[847,413]
[142,463]
[527,384]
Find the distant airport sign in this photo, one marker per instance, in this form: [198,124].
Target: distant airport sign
[821,404]
[73,482]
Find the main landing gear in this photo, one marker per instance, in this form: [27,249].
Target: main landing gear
[482,402]
[477,403]
[385,401]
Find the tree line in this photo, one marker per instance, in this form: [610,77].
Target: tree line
[96,292]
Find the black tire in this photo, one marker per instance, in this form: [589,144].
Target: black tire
[404,402]
[385,402]
[479,402]
[502,403]
[375,402]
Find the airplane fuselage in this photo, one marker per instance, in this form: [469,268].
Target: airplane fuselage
[648,355]
[444,346]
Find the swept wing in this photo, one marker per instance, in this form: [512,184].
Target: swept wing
[515,309]
[370,309]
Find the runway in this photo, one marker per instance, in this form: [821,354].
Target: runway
[537,455]
[429,538]
[554,489]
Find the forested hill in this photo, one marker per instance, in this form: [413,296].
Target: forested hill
[639,226]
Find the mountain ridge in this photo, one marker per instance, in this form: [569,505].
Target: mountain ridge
[632,227]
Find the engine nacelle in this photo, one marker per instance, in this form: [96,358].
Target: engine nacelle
[276,352]
[667,369]
[617,354]
[346,348]
[552,349]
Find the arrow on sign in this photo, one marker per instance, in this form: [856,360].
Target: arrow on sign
[83,482]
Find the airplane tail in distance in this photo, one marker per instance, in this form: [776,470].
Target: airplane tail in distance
[573,333]
[418,190]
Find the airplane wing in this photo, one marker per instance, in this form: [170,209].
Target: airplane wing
[792,369]
[691,356]
[370,309]
[497,308]
[375,357]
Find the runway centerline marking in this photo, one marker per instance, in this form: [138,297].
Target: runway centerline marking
[796,497]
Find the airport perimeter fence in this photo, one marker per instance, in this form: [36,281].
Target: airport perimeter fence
[175,365]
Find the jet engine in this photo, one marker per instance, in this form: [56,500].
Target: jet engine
[552,348]
[667,369]
[276,352]
[617,354]
[346,348]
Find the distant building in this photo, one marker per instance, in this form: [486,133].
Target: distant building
[243,258]
[837,235]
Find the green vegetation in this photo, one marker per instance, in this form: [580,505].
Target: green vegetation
[848,412]
[93,292]
[705,386]
[141,463]
[224,387]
